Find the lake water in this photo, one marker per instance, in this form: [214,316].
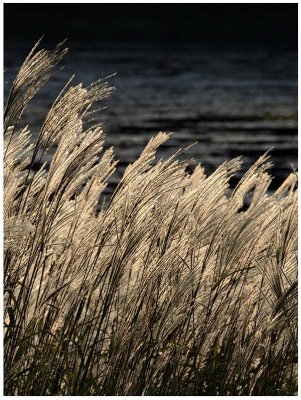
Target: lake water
[233,102]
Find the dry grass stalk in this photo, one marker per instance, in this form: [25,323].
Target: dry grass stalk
[169,289]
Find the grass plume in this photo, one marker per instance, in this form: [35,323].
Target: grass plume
[171,288]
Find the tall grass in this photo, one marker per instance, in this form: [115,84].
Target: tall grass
[173,287]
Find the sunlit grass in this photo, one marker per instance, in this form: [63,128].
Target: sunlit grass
[173,287]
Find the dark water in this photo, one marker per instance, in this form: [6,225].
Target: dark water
[234,102]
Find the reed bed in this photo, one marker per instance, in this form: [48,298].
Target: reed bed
[175,286]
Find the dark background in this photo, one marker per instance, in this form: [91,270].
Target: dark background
[226,23]
[224,75]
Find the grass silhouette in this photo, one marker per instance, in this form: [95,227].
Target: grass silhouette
[173,287]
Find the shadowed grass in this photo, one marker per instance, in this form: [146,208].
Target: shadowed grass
[168,289]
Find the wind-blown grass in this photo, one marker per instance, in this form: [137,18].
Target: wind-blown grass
[171,288]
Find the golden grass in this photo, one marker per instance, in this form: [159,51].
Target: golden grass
[169,289]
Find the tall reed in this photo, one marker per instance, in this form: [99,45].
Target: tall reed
[171,288]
